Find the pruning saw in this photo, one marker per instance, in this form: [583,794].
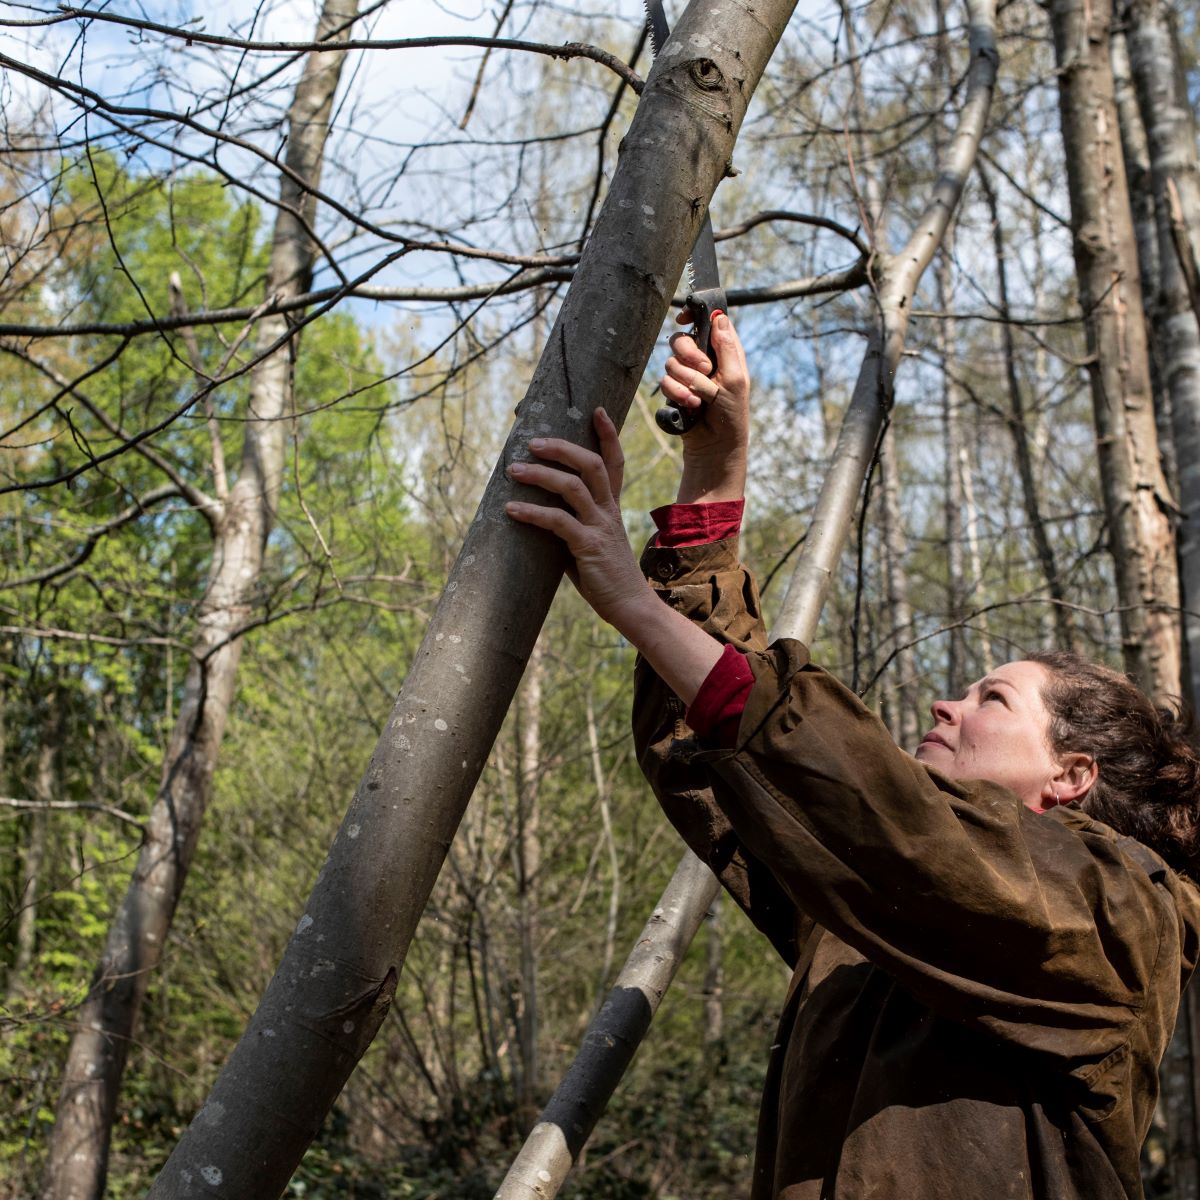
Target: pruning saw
[705,295]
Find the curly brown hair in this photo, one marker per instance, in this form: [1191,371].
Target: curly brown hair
[1149,772]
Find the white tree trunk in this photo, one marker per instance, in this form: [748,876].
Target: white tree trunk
[78,1149]
[1137,500]
[1170,131]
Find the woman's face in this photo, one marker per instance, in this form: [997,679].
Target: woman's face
[998,731]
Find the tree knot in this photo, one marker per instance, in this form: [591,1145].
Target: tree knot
[706,75]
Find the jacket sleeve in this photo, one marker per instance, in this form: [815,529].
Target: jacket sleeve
[707,584]
[1018,923]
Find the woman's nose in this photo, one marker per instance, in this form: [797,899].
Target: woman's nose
[943,711]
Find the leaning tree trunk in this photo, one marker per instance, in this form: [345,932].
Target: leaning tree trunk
[1170,132]
[612,1039]
[78,1149]
[339,971]
[1137,501]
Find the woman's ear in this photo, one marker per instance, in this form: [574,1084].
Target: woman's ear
[1077,776]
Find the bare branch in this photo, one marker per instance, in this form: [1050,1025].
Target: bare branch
[92,538]
[830,281]
[483,62]
[99,639]
[565,50]
[851,235]
[202,502]
[72,806]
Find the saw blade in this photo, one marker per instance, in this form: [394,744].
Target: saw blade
[656,22]
[702,269]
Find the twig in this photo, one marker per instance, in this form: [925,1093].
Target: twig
[483,62]
[72,806]
[92,537]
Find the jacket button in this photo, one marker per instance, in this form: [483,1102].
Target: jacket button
[664,571]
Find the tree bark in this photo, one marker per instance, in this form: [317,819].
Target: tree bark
[907,729]
[714,976]
[338,973]
[1137,501]
[34,857]
[1136,151]
[1171,136]
[528,853]
[957,668]
[603,793]
[78,1148]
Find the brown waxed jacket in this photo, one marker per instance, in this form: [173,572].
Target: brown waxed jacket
[981,994]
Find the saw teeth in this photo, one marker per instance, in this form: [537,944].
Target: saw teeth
[653,21]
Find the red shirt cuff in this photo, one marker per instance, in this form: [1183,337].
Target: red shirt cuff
[696,524]
[716,712]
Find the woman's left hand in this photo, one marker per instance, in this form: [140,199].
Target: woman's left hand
[605,571]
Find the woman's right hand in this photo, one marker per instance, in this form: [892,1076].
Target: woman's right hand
[714,450]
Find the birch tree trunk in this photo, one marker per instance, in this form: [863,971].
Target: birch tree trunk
[971,523]
[714,976]
[603,791]
[1166,118]
[953,504]
[907,729]
[34,857]
[1137,501]
[1018,425]
[1136,151]
[528,854]
[242,519]
[339,972]
[613,1037]
[1170,133]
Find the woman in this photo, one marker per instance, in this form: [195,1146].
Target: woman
[985,975]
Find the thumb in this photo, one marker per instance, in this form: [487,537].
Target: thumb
[723,334]
[727,349]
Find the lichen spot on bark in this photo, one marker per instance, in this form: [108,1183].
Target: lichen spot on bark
[213,1113]
[212,1175]
[353,831]
[440,725]
[303,925]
